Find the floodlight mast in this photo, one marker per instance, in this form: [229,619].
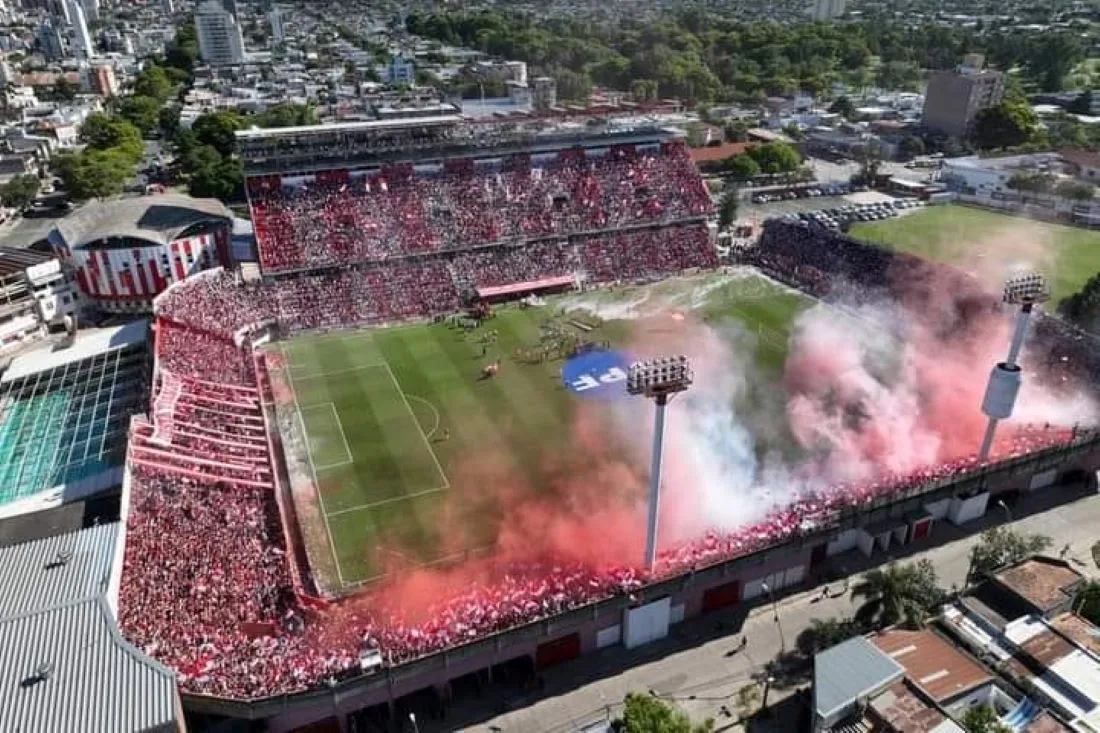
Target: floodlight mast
[658,379]
[1004,381]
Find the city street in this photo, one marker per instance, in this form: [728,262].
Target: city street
[699,665]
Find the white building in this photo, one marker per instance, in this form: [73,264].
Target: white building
[275,18]
[81,40]
[220,39]
[826,10]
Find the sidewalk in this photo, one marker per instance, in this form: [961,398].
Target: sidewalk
[698,666]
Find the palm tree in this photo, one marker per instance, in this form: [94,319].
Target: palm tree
[898,594]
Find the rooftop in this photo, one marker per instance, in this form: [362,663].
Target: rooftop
[938,667]
[58,635]
[848,672]
[161,218]
[903,708]
[1042,582]
[14,260]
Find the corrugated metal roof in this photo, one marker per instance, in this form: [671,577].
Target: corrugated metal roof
[67,669]
[849,671]
[63,664]
[158,218]
[34,578]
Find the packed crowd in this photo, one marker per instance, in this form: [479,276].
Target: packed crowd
[398,212]
[207,586]
[824,263]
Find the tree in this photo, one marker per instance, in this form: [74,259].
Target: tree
[153,82]
[183,52]
[287,115]
[1074,190]
[1087,601]
[216,130]
[1033,181]
[215,176]
[727,211]
[94,173]
[742,167]
[1000,546]
[898,594]
[776,157]
[1083,308]
[63,89]
[143,112]
[648,714]
[1051,57]
[824,633]
[843,107]
[1004,125]
[168,120]
[736,131]
[19,192]
[103,132]
[983,719]
[910,147]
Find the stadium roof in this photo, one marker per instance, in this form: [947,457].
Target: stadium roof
[65,417]
[64,665]
[159,219]
[258,133]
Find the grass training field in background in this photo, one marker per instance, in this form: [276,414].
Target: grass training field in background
[949,233]
[388,414]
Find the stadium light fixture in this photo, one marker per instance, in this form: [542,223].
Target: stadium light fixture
[657,379]
[1004,381]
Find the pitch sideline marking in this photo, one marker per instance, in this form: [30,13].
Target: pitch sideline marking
[431,407]
[427,443]
[391,500]
[316,482]
[361,367]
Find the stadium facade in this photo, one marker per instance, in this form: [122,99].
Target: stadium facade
[211,444]
[124,252]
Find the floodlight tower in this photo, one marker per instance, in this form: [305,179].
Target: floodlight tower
[1004,381]
[659,379]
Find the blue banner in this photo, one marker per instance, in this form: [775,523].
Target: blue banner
[596,374]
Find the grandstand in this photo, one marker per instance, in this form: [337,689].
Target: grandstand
[420,222]
[63,416]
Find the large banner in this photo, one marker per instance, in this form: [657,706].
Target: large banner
[596,374]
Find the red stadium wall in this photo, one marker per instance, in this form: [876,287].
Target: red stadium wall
[126,279]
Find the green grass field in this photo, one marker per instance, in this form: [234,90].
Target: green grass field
[391,415]
[957,234]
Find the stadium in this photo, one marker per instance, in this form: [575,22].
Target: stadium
[369,473]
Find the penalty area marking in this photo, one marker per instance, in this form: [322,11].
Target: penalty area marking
[316,483]
[431,407]
[383,502]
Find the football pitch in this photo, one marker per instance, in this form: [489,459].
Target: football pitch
[956,234]
[389,418]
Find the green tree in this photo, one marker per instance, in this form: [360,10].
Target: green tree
[287,115]
[1087,602]
[999,547]
[153,82]
[1075,190]
[983,719]
[742,167]
[19,192]
[103,132]
[843,107]
[1082,105]
[1083,307]
[215,176]
[1051,57]
[216,130]
[94,173]
[63,89]
[898,594]
[648,714]
[143,112]
[777,157]
[910,147]
[1004,125]
[727,210]
[824,633]
[168,120]
[736,131]
[1033,181]
[183,52]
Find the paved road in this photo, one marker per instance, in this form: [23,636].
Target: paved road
[697,665]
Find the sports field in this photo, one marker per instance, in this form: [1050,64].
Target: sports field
[957,234]
[391,417]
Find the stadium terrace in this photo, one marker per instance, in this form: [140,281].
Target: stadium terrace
[216,583]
